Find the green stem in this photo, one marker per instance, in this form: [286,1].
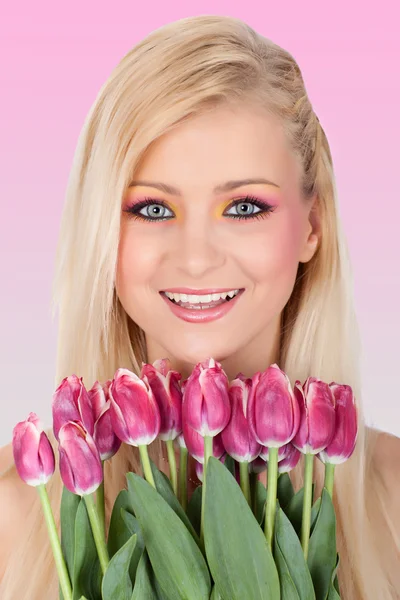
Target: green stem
[172,466]
[253,491]
[245,480]
[97,531]
[100,503]
[208,448]
[148,473]
[307,502]
[62,571]
[329,476]
[272,487]
[183,464]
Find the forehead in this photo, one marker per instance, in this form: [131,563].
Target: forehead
[228,142]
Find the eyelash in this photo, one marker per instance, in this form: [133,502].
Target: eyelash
[266,209]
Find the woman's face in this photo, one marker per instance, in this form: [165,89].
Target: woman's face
[194,240]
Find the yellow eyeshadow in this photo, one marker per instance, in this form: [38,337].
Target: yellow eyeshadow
[220,209]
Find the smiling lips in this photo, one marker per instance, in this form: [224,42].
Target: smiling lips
[202,308]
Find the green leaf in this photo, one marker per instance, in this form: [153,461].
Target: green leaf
[134,528]
[285,491]
[177,561]
[240,560]
[194,508]
[146,587]
[230,464]
[87,573]
[215,595]
[117,583]
[118,532]
[322,547]
[288,589]
[164,488]
[334,592]
[69,506]
[294,509]
[314,513]
[261,497]
[291,564]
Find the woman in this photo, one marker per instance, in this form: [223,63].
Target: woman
[157,203]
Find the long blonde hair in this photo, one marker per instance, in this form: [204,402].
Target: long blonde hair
[180,70]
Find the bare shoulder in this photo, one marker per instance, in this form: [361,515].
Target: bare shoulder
[15,498]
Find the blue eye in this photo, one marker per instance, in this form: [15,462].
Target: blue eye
[153,209]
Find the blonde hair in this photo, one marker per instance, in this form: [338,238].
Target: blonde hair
[180,70]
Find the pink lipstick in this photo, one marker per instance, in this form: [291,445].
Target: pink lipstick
[201,315]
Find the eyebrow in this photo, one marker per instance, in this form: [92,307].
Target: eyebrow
[225,187]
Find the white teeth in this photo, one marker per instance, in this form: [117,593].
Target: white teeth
[203,299]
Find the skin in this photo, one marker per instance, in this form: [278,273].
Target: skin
[201,247]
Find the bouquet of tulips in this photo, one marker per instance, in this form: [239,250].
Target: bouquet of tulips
[234,538]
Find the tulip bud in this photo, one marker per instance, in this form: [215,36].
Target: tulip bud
[199,468]
[164,383]
[290,460]
[317,416]
[104,436]
[282,452]
[80,463]
[135,415]
[33,453]
[344,439]
[238,440]
[273,410]
[195,443]
[206,398]
[71,402]
[258,465]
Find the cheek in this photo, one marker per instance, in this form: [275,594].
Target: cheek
[137,261]
[271,255]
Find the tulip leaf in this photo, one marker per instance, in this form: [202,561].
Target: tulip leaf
[215,595]
[314,513]
[146,587]
[164,488]
[296,582]
[294,509]
[260,500]
[177,561]
[334,592]
[230,464]
[194,508]
[134,528]
[285,491]
[322,555]
[239,557]
[69,506]
[87,573]
[118,532]
[116,581]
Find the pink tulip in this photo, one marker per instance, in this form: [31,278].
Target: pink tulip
[199,468]
[33,453]
[344,439]
[206,403]
[238,440]
[80,464]
[164,383]
[181,441]
[290,460]
[317,416]
[135,415]
[71,402]
[273,410]
[258,465]
[107,442]
[195,443]
[282,452]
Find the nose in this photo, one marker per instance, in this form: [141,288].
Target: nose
[198,250]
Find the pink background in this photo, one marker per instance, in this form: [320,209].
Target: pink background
[55,58]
